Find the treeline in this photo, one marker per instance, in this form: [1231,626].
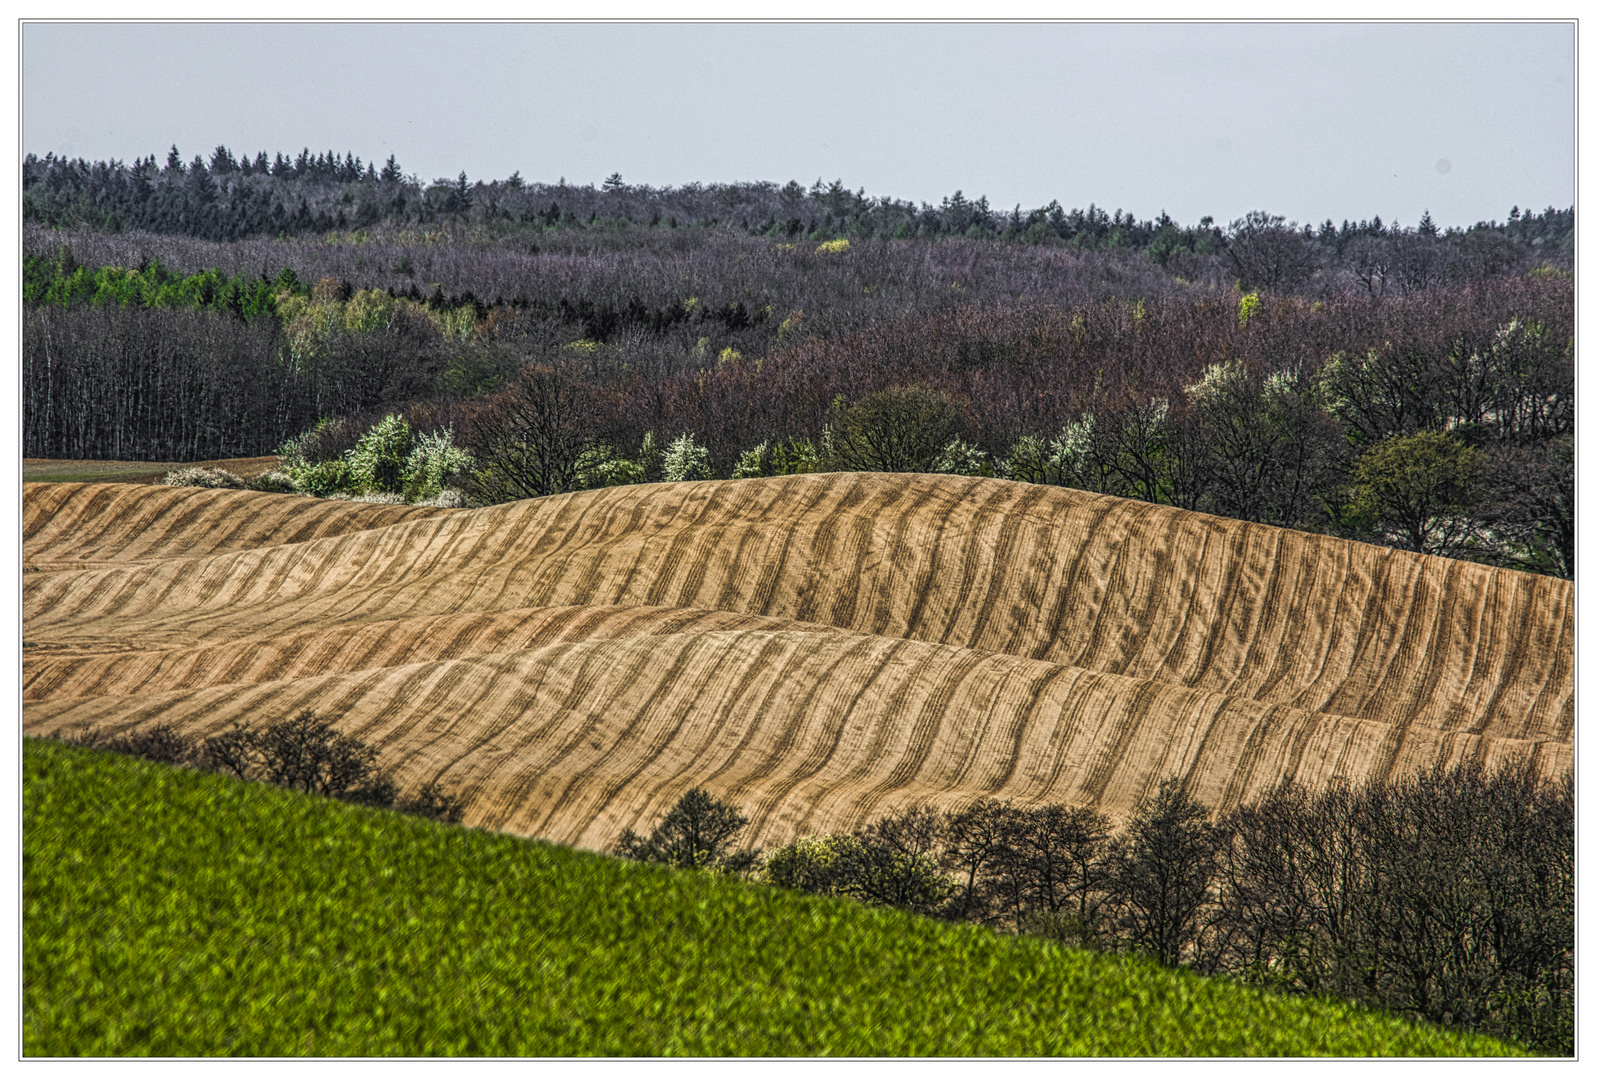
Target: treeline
[1418,406]
[141,380]
[304,753]
[229,198]
[1442,424]
[63,282]
[1447,896]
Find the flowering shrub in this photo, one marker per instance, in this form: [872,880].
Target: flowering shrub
[199,476]
[685,459]
[434,459]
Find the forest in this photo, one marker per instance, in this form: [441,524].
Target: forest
[1410,386]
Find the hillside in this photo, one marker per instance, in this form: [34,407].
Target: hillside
[815,648]
[173,913]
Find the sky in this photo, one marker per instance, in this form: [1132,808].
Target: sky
[1308,120]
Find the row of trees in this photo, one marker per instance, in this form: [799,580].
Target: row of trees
[1462,453]
[227,199]
[701,295]
[1110,375]
[1453,437]
[1081,334]
[63,282]
[304,753]
[233,197]
[1447,896]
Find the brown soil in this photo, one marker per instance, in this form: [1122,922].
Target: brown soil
[816,648]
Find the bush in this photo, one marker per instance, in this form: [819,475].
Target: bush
[786,458]
[378,462]
[812,864]
[323,478]
[162,743]
[434,802]
[307,754]
[685,459]
[274,481]
[962,459]
[199,476]
[434,461]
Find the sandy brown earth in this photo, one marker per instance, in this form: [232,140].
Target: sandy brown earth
[816,648]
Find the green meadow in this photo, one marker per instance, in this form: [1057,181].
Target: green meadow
[173,912]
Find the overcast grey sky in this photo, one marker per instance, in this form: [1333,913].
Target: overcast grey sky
[1307,120]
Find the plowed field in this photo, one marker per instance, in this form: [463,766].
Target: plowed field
[817,649]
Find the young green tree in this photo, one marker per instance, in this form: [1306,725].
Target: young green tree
[685,459]
[1417,489]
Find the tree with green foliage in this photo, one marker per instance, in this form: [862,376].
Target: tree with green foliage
[685,459]
[434,462]
[1417,489]
[812,864]
[784,458]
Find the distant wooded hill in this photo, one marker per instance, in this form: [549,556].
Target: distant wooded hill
[230,197]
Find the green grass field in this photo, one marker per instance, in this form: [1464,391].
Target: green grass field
[62,471]
[172,912]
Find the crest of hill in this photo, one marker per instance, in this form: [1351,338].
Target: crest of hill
[80,526]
